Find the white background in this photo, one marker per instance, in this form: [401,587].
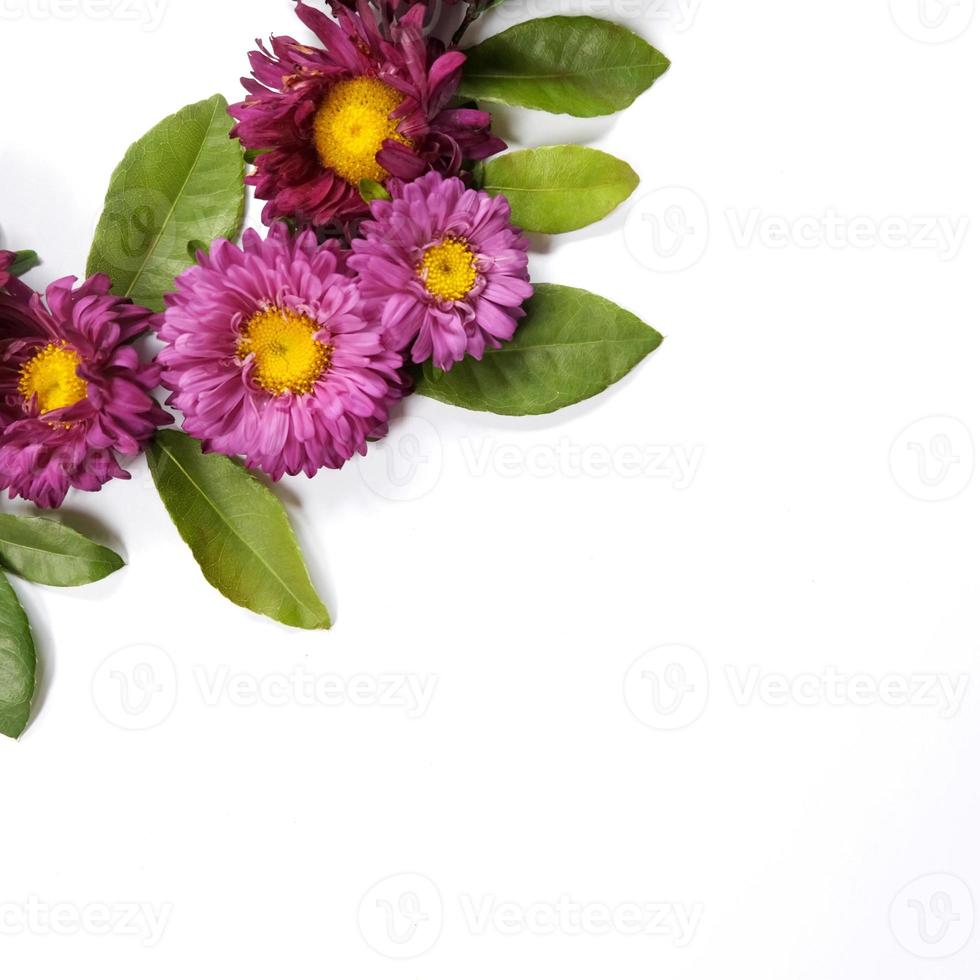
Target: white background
[784,529]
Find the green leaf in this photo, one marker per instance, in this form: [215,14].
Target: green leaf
[572,345]
[18,663]
[252,155]
[183,181]
[579,65]
[197,246]
[237,530]
[49,553]
[371,190]
[24,262]
[558,188]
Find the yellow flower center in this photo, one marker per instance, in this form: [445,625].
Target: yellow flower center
[352,124]
[52,376]
[448,269]
[288,358]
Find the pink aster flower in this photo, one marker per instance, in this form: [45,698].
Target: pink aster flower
[372,103]
[7,259]
[269,355]
[445,267]
[73,392]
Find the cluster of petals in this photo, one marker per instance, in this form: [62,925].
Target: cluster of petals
[444,269]
[295,172]
[74,394]
[270,355]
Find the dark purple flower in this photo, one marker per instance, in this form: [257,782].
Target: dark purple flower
[370,104]
[73,392]
[445,268]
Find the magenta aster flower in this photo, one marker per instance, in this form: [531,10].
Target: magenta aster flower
[445,267]
[365,106]
[269,355]
[7,259]
[73,392]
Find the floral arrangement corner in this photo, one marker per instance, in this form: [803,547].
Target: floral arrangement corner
[395,262]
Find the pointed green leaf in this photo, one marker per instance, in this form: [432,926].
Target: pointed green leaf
[18,663]
[572,345]
[237,530]
[557,188]
[582,66]
[25,261]
[183,181]
[371,190]
[49,553]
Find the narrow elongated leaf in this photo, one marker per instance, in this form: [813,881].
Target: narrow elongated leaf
[181,182]
[49,553]
[558,188]
[237,530]
[582,66]
[572,345]
[18,663]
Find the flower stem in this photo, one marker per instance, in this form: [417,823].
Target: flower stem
[474,8]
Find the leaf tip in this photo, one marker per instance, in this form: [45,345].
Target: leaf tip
[371,190]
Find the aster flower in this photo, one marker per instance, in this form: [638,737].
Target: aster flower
[269,355]
[445,269]
[364,106]
[7,259]
[73,392]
